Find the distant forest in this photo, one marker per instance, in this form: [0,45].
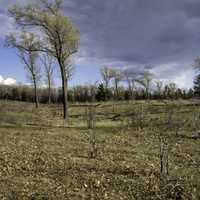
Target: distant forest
[92,93]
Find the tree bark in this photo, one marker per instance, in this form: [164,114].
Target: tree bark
[36,94]
[106,87]
[49,90]
[65,97]
[116,89]
[130,88]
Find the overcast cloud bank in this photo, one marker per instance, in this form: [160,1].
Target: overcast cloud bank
[133,33]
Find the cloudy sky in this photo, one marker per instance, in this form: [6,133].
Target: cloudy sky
[134,34]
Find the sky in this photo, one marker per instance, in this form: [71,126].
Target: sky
[160,36]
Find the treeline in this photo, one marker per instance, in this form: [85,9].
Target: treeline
[91,93]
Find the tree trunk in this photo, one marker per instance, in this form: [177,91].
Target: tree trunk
[106,87]
[65,98]
[36,94]
[49,90]
[147,94]
[130,88]
[116,88]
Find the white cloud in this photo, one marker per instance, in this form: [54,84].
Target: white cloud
[10,81]
[1,79]
[185,79]
[7,81]
[180,74]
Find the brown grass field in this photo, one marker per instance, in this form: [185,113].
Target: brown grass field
[119,159]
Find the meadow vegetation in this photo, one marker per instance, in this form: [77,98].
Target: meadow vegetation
[113,150]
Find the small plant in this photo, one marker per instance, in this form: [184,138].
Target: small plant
[137,118]
[169,117]
[164,156]
[173,119]
[196,120]
[178,124]
[90,116]
[93,145]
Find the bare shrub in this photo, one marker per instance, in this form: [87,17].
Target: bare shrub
[173,119]
[164,156]
[93,151]
[90,113]
[91,118]
[169,114]
[137,118]
[196,120]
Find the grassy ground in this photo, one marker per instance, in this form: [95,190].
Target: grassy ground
[119,159]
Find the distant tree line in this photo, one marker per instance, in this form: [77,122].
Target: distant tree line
[116,85]
[92,93]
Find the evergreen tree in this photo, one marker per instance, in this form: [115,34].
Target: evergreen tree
[197,85]
[190,93]
[101,93]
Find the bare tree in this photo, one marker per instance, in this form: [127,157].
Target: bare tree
[107,74]
[25,45]
[117,75]
[145,82]
[47,61]
[130,78]
[159,88]
[60,38]
[170,90]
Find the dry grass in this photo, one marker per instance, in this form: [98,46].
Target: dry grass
[40,160]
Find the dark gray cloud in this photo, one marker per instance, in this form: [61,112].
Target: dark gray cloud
[133,33]
[138,31]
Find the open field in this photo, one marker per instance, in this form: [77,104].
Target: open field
[118,159]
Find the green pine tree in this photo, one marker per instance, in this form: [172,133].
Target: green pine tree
[197,85]
[101,93]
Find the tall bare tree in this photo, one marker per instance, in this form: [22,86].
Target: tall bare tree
[60,38]
[172,90]
[107,74]
[130,78]
[159,88]
[25,44]
[117,76]
[48,63]
[145,82]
